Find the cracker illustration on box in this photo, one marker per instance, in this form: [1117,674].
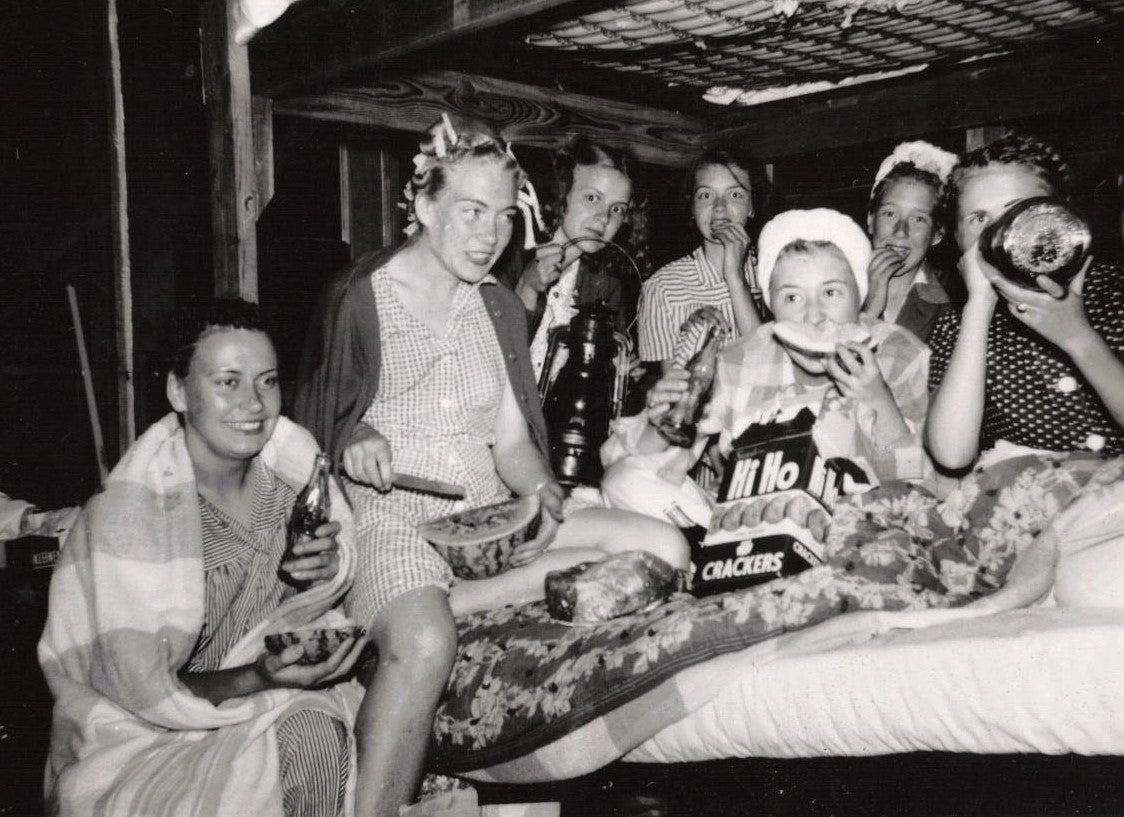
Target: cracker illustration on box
[768,461]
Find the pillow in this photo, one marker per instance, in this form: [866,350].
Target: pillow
[1090,536]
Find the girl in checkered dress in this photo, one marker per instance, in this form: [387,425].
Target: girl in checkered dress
[448,396]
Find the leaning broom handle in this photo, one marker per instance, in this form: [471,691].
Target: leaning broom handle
[88,382]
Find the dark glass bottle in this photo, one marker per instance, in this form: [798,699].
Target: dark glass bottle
[578,406]
[677,426]
[313,505]
[1037,236]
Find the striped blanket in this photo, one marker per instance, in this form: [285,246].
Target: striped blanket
[126,610]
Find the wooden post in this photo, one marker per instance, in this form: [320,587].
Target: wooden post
[369,195]
[234,197]
[122,278]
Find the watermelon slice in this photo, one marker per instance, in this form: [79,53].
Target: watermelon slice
[818,341]
[319,642]
[478,542]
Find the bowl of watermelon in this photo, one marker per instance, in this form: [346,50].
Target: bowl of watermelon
[478,542]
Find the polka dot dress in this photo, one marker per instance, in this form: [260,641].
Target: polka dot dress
[1035,396]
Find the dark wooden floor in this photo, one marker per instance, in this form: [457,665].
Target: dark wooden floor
[914,785]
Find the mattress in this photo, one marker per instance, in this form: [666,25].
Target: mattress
[1044,680]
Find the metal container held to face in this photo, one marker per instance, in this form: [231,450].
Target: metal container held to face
[1037,236]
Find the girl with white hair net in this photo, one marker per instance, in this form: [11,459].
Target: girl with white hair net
[868,392]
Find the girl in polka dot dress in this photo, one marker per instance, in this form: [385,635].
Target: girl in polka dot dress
[1041,370]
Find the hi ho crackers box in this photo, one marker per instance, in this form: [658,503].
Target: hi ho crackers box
[767,461]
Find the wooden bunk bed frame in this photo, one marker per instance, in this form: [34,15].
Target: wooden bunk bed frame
[396,66]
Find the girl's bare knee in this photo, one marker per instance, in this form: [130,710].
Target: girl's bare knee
[416,633]
[668,543]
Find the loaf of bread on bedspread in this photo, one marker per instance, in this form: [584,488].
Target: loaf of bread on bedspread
[598,591]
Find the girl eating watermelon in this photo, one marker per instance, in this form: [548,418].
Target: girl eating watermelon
[865,379]
[419,365]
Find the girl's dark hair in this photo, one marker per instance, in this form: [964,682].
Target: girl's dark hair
[760,188]
[633,236]
[1039,157]
[193,323]
[908,170]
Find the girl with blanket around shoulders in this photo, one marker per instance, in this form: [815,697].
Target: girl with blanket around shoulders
[166,700]
[418,363]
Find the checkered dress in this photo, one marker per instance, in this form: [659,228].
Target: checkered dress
[437,405]
[756,377]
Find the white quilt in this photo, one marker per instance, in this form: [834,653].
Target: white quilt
[1045,679]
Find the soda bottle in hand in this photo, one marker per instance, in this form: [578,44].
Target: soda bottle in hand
[677,426]
[313,505]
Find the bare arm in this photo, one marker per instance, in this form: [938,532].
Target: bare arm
[735,250]
[525,471]
[272,672]
[952,433]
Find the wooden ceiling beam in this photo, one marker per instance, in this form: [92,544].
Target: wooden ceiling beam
[364,36]
[969,95]
[523,114]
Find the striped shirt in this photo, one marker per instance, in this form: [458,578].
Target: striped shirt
[674,292]
[240,564]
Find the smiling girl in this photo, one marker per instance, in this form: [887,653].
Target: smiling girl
[577,268]
[166,696]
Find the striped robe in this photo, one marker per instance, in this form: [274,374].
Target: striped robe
[127,605]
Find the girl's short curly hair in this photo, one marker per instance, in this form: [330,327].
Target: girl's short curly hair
[431,165]
[192,323]
[1038,156]
[633,238]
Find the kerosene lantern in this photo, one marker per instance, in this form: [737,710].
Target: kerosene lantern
[582,388]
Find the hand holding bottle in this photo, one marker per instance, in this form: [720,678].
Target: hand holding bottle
[313,560]
[312,555]
[667,392]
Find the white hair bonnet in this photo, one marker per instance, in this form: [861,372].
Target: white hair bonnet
[821,224]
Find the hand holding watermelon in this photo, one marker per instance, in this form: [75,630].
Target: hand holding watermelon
[551,496]
[856,374]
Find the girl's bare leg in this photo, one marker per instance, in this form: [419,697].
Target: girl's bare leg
[614,531]
[416,640]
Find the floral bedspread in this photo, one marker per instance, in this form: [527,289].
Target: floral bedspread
[522,680]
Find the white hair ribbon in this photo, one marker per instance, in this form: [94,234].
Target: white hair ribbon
[528,203]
